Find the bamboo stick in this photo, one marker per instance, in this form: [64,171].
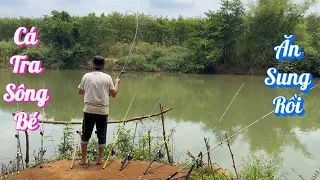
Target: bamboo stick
[111,121]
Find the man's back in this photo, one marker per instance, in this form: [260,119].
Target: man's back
[96,86]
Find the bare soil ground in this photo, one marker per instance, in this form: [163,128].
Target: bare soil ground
[60,170]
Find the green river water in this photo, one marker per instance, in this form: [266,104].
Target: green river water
[294,139]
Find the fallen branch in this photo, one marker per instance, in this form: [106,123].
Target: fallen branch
[109,122]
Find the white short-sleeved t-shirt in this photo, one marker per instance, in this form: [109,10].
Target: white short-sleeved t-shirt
[96,86]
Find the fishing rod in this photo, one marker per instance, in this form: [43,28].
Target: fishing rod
[197,163]
[19,156]
[129,156]
[208,139]
[76,148]
[42,150]
[19,153]
[195,160]
[160,153]
[112,151]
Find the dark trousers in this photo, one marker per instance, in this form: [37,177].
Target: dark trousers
[89,120]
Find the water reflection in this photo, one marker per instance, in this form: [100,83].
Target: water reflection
[273,135]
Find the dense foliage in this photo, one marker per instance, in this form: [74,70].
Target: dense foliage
[231,40]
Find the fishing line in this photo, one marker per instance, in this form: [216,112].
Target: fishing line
[159,152]
[151,114]
[194,161]
[208,139]
[116,139]
[150,118]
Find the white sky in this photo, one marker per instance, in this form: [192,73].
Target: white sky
[170,8]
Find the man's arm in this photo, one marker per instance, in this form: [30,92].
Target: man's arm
[80,92]
[81,87]
[114,91]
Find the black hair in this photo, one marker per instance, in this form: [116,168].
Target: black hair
[97,69]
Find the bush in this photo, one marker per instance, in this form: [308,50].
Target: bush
[136,62]
[172,59]
[39,52]
[7,50]
[258,168]
[309,64]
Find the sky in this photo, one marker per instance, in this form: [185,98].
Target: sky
[169,8]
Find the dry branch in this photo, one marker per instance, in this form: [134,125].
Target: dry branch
[209,158]
[149,142]
[27,149]
[111,121]
[234,165]
[164,136]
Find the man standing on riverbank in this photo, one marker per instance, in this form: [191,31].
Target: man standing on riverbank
[96,86]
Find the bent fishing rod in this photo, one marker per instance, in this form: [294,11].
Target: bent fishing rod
[112,151]
[130,51]
[195,160]
[160,153]
[129,155]
[134,40]
[42,150]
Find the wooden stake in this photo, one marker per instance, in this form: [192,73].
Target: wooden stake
[209,158]
[164,135]
[201,162]
[149,141]
[234,165]
[27,149]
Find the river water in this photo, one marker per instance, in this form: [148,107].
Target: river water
[293,139]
